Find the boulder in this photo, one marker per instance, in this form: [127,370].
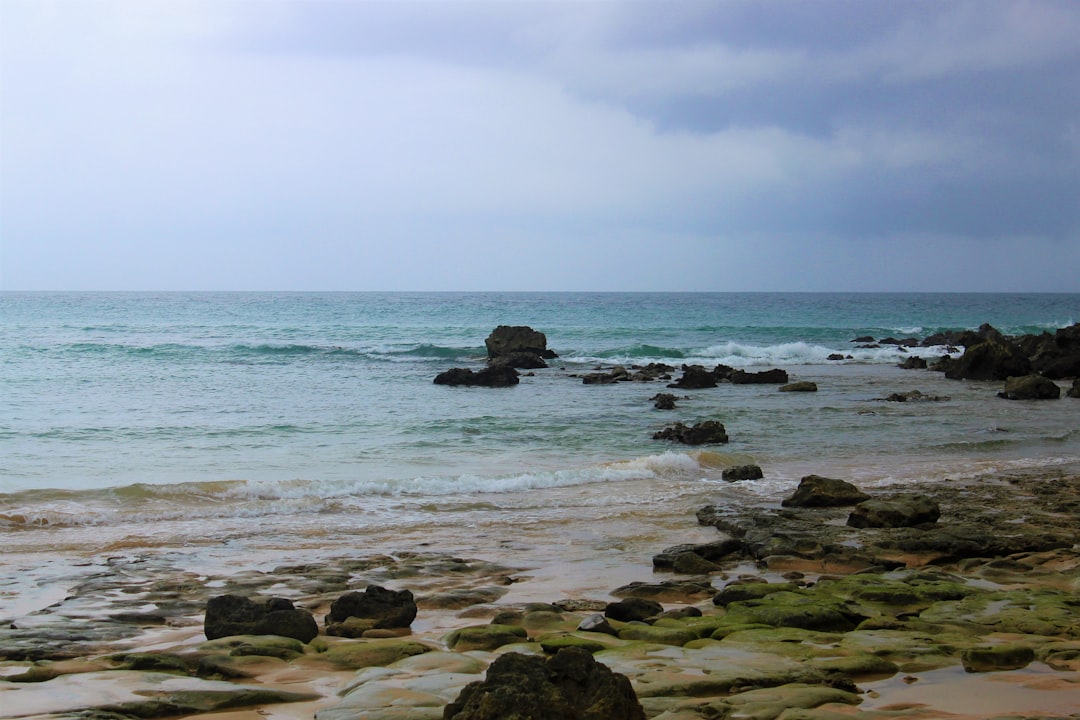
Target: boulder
[1074,391]
[913,363]
[1030,387]
[817,491]
[571,685]
[508,339]
[916,396]
[383,608]
[774,376]
[988,355]
[495,376]
[894,513]
[521,360]
[238,615]
[996,658]
[695,377]
[710,552]
[742,472]
[703,433]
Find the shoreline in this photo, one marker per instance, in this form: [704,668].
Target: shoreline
[128,599]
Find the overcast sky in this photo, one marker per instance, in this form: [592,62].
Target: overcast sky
[459,145]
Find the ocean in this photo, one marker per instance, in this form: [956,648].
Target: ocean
[292,421]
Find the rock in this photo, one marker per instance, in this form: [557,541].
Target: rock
[996,657]
[899,512]
[359,654]
[663,401]
[597,623]
[632,609]
[913,363]
[916,396]
[616,374]
[383,608]
[495,376]
[817,491]
[571,685]
[1030,387]
[660,635]
[690,563]
[508,339]
[864,339]
[742,472]
[711,552]
[485,637]
[801,386]
[774,376]
[520,360]
[1074,391]
[991,357]
[707,432]
[695,377]
[238,615]
[905,342]
[835,356]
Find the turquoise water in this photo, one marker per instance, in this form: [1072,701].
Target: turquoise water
[144,408]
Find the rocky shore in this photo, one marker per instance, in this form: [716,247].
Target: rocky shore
[954,599]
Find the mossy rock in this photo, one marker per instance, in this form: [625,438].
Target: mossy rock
[770,703]
[855,665]
[45,670]
[786,609]
[996,658]
[1061,656]
[270,645]
[785,641]
[237,667]
[154,662]
[724,630]
[485,637]
[192,702]
[910,651]
[749,591]
[678,636]
[547,620]
[358,654]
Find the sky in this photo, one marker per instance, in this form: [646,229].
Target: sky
[833,145]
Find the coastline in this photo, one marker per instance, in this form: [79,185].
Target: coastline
[502,568]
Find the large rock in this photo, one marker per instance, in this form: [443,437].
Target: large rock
[495,376]
[571,685]
[817,491]
[1074,391]
[894,513]
[707,432]
[1030,387]
[377,608]
[633,608]
[989,355]
[238,615]
[508,340]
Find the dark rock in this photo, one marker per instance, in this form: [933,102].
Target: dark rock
[508,339]
[495,376]
[942,364]
[386,608]
[913,363]
[695,377]
[817,491]
[989,355]
[690,563]
[616,374]
[774,376]
[742,472]
[238,615]
[906,342]
[801,386]
[570,685]
[707,432]
[722,372]
[633,608]
[711,552]
[835,356]
[1030,387]
[864,339]
[996,658]
[1074,391]
[893,513]
[680,591]
[663,401]
[520,360]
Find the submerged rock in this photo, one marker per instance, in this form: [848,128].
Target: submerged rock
[663,401]
[1030,387]
[495,376]
[801,386]
[707,432]
[695,377]
[774,376]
